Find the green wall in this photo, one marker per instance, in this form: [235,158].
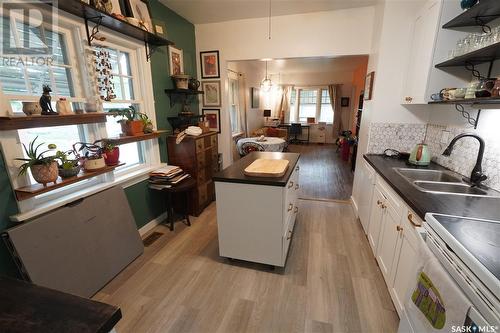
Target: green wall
[146,204]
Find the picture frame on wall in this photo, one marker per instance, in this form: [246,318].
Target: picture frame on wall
[344,102]
[175,60]
[255,97]
[369,86]
[140,10]
[211,93]
[212,117]
[209,62]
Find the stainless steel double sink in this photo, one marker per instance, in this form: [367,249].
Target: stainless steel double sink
[443,182]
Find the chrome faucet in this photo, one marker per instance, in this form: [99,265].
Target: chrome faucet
[476,176]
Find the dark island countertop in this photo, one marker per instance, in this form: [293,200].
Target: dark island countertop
[27,308]
[234,173]
[423,202]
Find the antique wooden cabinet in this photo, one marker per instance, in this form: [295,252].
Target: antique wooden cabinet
[198,156]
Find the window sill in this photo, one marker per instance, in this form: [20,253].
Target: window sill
[126,180]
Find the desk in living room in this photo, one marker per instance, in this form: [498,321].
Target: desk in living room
[287,126]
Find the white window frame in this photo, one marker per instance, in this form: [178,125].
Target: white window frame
[296,111]
[77,44]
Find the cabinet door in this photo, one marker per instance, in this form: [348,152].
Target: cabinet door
[376,215]
[425,28]
[365,194]
[388,244]
[406,269]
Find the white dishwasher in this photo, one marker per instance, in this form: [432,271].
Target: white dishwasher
[467,256]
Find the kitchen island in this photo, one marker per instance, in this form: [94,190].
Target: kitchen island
[256,215]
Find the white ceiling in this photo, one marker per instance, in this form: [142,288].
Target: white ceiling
[209,11]
[309,65]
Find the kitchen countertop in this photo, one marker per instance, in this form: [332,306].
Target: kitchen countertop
[25,307]
[234,173]
[422,202]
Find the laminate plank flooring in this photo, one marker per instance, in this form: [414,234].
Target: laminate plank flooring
[323,174]
[331,282]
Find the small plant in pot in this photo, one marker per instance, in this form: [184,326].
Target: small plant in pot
[43,168]
[111,154]
[90,155]
[67,167]
[131,123]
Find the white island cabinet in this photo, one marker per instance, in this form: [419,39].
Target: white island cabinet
[256,215]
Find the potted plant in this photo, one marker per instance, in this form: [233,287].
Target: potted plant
[67,167]
[43,168]
[111,154]
[147,123]
[131,123]
[93,156]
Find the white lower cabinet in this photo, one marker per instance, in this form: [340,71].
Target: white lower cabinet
[393,237]
[255,222]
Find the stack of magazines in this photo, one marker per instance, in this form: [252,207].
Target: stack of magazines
[166,177]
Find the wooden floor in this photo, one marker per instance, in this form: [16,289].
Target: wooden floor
[323,174]
[331,282]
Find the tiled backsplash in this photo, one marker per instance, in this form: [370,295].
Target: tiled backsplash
[404,137]
[464,154]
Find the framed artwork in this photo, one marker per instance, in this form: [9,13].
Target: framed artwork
[160,28]
[212,117]
[209,61]
[344,101]
[369,86]
[255,94]
[139,9]
[175,60]
[212,93]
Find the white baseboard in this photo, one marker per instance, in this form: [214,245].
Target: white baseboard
[354,207]
[151,224]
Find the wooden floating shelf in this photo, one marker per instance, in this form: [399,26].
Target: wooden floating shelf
[87,12]
[485,10]
[470,101]
[27,192]
[20,122]
[184,91]
[136,138]
[483,55]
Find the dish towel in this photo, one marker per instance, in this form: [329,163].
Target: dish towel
[436,303]
[194,130]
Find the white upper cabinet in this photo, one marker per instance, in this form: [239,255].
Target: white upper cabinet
[430,44]
[420,61]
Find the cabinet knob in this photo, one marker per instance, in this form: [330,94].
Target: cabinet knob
[410,218]
[290,185]
[297,168]
[289,235]
[399,228]
[408,99]
[296,186]
[379,202]
[290,207]
[383,206]
[296,210]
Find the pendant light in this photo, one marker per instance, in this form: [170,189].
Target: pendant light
[266,83]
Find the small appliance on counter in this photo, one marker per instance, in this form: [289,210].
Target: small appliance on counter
[420,155]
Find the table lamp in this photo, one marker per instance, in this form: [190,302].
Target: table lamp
[267,114]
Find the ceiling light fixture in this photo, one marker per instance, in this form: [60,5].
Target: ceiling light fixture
[266,83]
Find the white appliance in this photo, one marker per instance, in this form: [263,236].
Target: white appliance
[469,251]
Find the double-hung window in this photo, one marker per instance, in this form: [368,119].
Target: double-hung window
[311,102]
[21,83]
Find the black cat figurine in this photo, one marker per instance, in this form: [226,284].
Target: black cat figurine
[45,102]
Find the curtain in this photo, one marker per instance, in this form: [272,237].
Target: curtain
[276,98]
[335,94]
[284,114]
[242,101]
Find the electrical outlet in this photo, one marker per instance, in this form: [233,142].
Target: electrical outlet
[445,135]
